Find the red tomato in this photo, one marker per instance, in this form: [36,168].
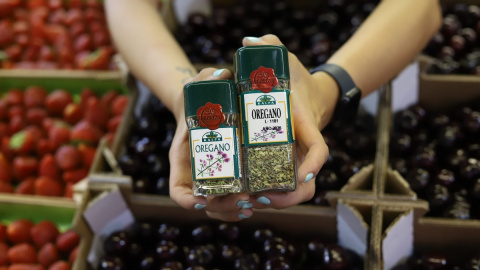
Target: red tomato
[46,53]
[73,15]
[55,4]
[30,54]
[6,32]
[58,17]
[35,4]
[83,43]
[77,29]
[13,52]
[20,27]
[22,40]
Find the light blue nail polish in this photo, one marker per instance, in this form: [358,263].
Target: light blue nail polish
[308,178]
[241,203]
[263,200]
[247,205]
[218,72]
[199,206]
[253,39]
[242,216]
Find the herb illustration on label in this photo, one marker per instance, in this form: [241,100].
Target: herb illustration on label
[210,164]
[266,133]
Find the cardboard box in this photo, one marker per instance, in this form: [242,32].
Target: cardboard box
[457,238]
[436,93]
[95,222]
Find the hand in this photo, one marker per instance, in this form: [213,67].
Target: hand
[226,208]
[313,100]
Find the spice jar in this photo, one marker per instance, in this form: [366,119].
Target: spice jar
[268,140]
[211,113]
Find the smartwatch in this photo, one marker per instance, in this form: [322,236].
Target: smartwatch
[349,94]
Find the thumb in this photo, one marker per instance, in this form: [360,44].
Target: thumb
[264,40]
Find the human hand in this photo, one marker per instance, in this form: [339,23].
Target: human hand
[232,207]
[313,101]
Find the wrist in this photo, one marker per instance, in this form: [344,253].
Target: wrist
[329,97]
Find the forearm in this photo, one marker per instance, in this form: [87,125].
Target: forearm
[387,41]
[149,49]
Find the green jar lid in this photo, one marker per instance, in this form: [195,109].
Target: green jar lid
[250,58]
[222,92]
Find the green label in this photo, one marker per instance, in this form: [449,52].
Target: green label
[266,118]
[214,153]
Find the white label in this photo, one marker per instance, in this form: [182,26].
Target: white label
[213,153]
[266,116]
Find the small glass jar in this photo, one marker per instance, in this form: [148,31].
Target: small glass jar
[268,139]
[211,113]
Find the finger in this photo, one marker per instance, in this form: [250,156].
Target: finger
[231,216]
[228,203]
[280,200]
[211,74]
[264,40]
[312,143]
[180,173]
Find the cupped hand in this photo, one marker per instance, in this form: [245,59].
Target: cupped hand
[313,100]
[232,207]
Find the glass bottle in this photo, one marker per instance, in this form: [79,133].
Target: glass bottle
[268,141]
[211,113]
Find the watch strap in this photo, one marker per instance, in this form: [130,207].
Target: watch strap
[340,75]
[349,95]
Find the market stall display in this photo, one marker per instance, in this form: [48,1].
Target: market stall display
[312,31]
[411,190]
[455,46]
[437,153]
[50,131]
[147,142]
[37,234]
[55,35]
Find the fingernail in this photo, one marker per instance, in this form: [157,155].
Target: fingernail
[241,203]
[308,178]
[253,39]
[242,216]
[263,200]
[247,205]
[218,72]
[199,206]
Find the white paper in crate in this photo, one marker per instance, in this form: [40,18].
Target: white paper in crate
[183,8]
[404,91]
[352,229]
[397,243]
[108,214]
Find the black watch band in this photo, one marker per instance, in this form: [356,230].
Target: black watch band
[349,94]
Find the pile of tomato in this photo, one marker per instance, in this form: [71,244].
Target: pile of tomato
[54,34]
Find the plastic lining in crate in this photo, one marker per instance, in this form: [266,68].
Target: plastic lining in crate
[47,230]
[51,126]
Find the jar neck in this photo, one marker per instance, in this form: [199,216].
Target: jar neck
[246,86]
[231,120]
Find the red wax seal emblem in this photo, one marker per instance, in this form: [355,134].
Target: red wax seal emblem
[263,79]
[210,116]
